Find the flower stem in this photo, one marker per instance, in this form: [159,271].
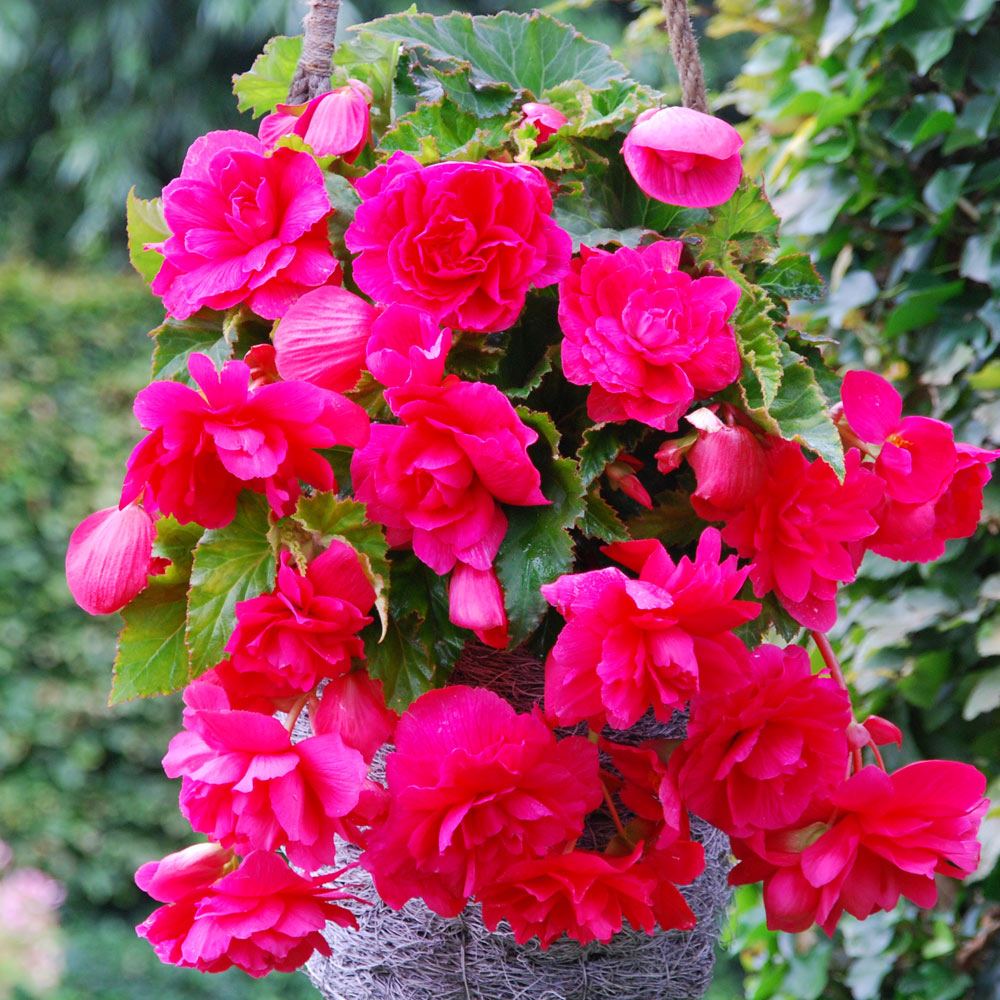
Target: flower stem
[296,710]
[829,657]
[616,819]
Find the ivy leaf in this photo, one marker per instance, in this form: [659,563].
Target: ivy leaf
[442,130]
[529,52]
[152,658]
[799,411]
[537,547]
[231,564]
[265,85]
[792,276]
[176,340]
[331,518]
[600,520]
[144,223]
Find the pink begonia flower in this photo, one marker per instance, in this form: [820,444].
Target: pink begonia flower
[547,119]
[205,447]
[184,873]
[917,458]
[463,241]
[287,641]
[648,338]
[684,157]
[261,918]
[437,480]
[246,786]
[407,349]
[337,123]
[877,837]
[110,558]
[630,645]
[589,897]
[800,530]
[322,338]
[757,755]
[473,788]
[245,228]
[353,706]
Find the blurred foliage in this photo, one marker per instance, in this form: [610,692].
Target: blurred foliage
[875,124]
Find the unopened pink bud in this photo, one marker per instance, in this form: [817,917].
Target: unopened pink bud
[729,466]
[547,119]
[621,474]
[475,601]
[183,873]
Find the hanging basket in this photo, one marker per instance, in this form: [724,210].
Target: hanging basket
[413,954]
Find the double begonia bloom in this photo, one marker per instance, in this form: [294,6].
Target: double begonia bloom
[407,349]
[322,338]
[546,119]
[353,706]
[800,530]
[205,447]
[261,918]
[632,645]
[589,897]
[878,837]
[245,228]
[337,123]
[684,157]
[306,629]
[648,338]
[245,785]
[757,755]
[475,787]
[463,241]
[110,558]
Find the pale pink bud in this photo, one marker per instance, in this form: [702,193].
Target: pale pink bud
[547,119]
[322,338]
[109,558]
[475,601]
[882,731]
[672,453]
[622,475]
[684,157]
[353,707]
[183,873]
[728,462]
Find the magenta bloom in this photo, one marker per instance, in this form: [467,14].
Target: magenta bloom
[463,241]
[337,123]
[475,787]
[547,119]
[878,837]
[205,447]
[353,706]
[407,349]
[322,338]
[184,873]
[110,558]
[684,157]
[801,530]
[246,786]
[648,338]
[589,897]
[245,227]
[631,645]
[261,918]
[757,755]
[306,629]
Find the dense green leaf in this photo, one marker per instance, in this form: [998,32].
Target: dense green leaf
[231,564]
[746,215]
[598,114]
[759,341]
[601,444]
[537,547]
[362,56]
[145,224]
[442,131]
[177,542]
[265,84]
[672,520]
[177,339]
[485,100]
[600,519]
[792,276]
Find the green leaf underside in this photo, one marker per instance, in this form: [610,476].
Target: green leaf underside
[231,564]
[176,340]
[144,223]
[265,84]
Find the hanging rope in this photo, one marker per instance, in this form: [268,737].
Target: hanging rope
[684,49]
[312,74]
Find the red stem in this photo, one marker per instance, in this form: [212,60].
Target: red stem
[829,657]
[616,819]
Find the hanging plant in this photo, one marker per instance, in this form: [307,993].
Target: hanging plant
[484,496]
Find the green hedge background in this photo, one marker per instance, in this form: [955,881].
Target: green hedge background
[876,126]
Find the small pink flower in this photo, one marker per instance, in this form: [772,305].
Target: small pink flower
[110,558]
[877,837]
[337,123]
[684,157]
[648,338]
[184,873]
[633,645]
[473,788]
[547,119]
[622,476]
[306,629]
[261,918]
[463,241]
[353,706]
[245,227]
[205,447]
[322,338]
[246,786]
[407,349]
